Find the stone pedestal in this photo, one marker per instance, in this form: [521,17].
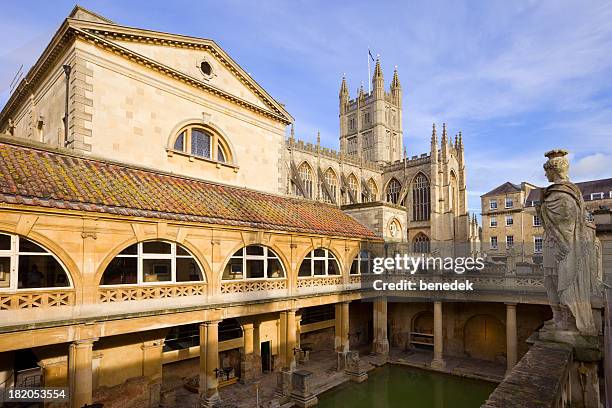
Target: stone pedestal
[355,368]
[583,375]
[283,383]
[301,389]
[340,360]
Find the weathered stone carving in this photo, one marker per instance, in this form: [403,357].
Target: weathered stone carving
[568,252]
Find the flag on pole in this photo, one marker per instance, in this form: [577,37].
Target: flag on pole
[370,54]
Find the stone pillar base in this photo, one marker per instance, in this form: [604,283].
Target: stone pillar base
[283,384]
[340,360]
[438,364]
[355,368]
[301,390]
[381,346]
[210,401]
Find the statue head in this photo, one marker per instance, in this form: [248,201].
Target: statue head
[557,166]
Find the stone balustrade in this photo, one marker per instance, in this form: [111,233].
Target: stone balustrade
[37,298]
[126,293]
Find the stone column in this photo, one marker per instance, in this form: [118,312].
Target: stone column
[152,368]
[247,369]
[511,337]
[256,338]
[341,339]
[381,343]
[287,340]
[209,362]
[438,359]
[79,372]
[298,331]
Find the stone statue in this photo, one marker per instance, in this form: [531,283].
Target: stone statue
[568,249]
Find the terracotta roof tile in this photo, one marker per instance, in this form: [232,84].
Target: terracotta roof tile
[37,177]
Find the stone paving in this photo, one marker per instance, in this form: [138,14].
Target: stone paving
[325,376]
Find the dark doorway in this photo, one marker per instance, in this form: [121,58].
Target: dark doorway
[266,357]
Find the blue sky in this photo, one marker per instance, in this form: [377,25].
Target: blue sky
[516,77]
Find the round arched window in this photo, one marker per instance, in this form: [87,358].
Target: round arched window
[25,264]
[198,141]
[319,262]
[254,262]
[152,262]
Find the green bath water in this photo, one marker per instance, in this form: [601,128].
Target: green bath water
[394,386]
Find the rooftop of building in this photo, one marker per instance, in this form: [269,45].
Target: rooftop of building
[505,188]
[35,175]
[586,187]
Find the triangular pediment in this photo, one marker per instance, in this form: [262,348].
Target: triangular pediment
[185,55]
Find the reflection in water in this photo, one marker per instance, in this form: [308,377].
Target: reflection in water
[398,387]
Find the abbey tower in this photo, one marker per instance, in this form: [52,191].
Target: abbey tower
[371,124]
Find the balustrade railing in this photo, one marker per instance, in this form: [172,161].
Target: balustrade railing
[126,293]
[253,286]
[36,298]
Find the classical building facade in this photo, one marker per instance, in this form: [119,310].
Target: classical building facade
[152,213]
[510,222]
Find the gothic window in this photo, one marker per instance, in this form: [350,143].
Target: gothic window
[362,263]
[421,244]
[352,186]
[332,182]
[27,265]
[373,190]
[319,262]
[393,190]
[395,229]
[151,262]
[306,176]
[420,198]
[254,262]
[197,141]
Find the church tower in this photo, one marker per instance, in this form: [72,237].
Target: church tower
[371,124]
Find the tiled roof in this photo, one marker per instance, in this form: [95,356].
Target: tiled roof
[38,177]
[507,187]
[586,188]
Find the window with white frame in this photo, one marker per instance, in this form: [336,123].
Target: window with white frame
[509,202]
[537,245]
[361,264]
[509,241]
[25,264]
[254,262]
[152,262]
[493,204]
[537,222]
[509,220]
[493,222]
[493,242]
[319,262]
[198,141]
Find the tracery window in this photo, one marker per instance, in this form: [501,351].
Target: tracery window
[254,262]
[306,176]
[352,186]
[362,263]
[25,264]
[319,262]
[198,141]
[393,190]
[420,198]
[421,244]
[151,262]
[332,183]
[373,196]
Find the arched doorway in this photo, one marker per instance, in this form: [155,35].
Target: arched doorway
[484,337]
[421,332]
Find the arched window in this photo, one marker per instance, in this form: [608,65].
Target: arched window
[152,262]
[393,190]
[26,265]
[395,229]
[319,262]
[332,182]
[453,201]
[198,141]
[352,186]
[421,244]
[306,176]
[361,264]
[373,195]
[420,198]
[254,262]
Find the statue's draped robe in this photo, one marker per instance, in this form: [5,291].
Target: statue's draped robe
[567,250]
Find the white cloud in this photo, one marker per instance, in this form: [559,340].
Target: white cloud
[592,167]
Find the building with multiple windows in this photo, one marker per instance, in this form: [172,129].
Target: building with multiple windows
[510,221]
[154,214]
